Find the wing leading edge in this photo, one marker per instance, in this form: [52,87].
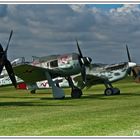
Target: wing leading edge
[30,73]
[91,80]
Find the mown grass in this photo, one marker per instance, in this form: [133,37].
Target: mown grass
[23,114]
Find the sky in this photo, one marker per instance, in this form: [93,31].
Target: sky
[102,30]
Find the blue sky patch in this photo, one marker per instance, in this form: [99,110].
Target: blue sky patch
[105,6]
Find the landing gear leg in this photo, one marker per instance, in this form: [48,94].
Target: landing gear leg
[75,91]
[58,93]
[110,90]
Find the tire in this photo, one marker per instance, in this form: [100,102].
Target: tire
[76,93]
[33,91]
[108,92]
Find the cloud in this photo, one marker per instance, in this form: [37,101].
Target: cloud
[51,29]
[127,8]
[78,7]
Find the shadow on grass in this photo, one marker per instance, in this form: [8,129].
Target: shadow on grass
[20,97]
[67,97]
[130,94]
[99,96]
[112,97]
[91,97]
[39,103]
[30,104]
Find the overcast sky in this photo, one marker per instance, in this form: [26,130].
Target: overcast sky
[102,30]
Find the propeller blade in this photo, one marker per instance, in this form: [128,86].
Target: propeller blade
[1,58]
[79,50]
[83,73]
[1,68]
[1,48]
[128,54]
[129,59]
[9,41]
[10,72]
[129,71]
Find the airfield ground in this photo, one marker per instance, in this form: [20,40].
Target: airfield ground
[23,114]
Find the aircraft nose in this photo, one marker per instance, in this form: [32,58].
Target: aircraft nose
[131,64]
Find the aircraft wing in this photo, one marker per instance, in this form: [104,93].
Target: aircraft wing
[90,80]
[30,73]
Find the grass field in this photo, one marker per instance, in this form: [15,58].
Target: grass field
[23,114]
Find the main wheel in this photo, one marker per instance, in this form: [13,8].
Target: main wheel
[33,91]
[76,93]
[108,91]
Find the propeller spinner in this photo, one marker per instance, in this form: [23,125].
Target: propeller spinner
[5,62]
[84,61]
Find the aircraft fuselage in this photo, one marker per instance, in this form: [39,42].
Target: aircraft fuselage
[65,65]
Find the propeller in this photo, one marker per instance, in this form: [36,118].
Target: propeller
[128,54]
[129,60]
[5,62]
[84,61]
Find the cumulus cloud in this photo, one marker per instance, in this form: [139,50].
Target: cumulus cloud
[51,29]
[78,7]
[127,8]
